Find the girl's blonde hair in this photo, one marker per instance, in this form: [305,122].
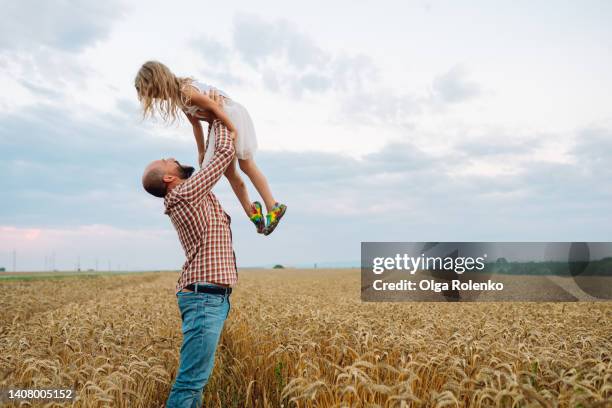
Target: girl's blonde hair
[160,90]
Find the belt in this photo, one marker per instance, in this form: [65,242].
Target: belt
[204,288]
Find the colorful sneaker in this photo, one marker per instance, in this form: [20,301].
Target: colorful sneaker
[274,217]
[257,217]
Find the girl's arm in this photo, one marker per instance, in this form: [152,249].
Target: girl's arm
[206,103]
[198,133]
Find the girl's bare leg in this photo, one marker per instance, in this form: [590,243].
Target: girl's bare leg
[249,168]
[233,176]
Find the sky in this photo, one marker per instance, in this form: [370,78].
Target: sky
[376,121]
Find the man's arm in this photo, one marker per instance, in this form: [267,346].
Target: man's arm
[198,185]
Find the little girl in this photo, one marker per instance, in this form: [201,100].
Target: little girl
[159,89]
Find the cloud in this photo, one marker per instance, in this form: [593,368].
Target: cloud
[500,143]
[258,40]
[285,60]
[68,25]
[415,180]
[40,90]
[45,73]
[223,76]
[382,107]
[290,61]
[217,61]
[65,170]
[73,176]
[88,170]
[593,150]
[64,173]
[213,51]
[41,45]
[454,86]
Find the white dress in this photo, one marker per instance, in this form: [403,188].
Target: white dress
[246,141]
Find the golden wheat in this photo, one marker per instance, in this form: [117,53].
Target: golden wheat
[304,339]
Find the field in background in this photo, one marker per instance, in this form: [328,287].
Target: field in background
[303,338]
[25,276]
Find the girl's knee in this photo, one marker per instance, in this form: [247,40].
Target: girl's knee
[234,178]
[231,170]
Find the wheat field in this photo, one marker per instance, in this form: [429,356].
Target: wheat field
[303,338]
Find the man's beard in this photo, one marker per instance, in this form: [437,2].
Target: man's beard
[185,171]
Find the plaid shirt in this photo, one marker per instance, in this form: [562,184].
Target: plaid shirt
[202,225]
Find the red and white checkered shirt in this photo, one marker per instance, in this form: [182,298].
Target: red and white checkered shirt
[202,225]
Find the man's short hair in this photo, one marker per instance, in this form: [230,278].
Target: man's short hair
[153,183]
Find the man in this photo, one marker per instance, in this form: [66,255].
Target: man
[204,287]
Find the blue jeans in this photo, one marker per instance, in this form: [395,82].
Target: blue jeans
[203,316]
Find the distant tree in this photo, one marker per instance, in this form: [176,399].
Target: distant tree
[502,260]
[2,269]
[278,266]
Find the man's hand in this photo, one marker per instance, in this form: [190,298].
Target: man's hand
[218,99]
[214,95]
[207,116]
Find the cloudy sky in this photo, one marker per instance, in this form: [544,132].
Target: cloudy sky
[376,121]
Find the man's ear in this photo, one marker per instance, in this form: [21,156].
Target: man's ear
[168,178]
